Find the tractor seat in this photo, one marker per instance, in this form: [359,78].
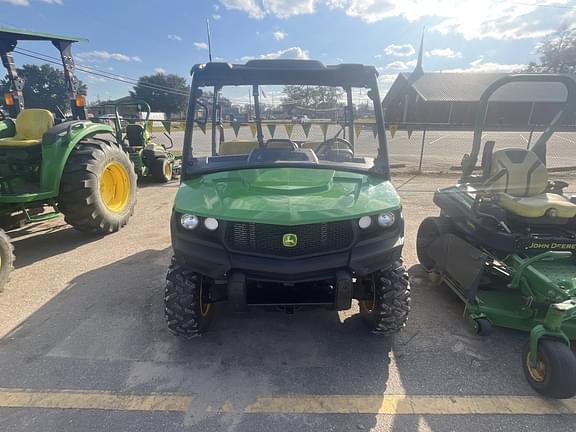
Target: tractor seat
[135,135]
[520,179]
[31,125]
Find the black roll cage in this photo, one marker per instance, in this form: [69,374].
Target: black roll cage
[283,72]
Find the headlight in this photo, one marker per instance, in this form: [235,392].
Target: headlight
[364,222]
[386,220]
[189,222]
[211,224]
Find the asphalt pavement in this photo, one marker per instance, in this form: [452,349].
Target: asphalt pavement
[84,348]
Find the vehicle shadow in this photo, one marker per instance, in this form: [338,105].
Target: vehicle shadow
[40,241]
[106,331]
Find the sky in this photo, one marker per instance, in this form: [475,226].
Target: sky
[135,38]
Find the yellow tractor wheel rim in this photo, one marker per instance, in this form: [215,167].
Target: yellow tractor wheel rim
[168,170]
[537,373]
[115,187]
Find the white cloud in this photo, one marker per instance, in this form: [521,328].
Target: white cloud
[216,17]
[103,56]
[160,70]
[175,37]
[289,53]
[280,8]
[279,35]
[479,65]
[201,45]
[405,50]
[401,66]
[473,20]
[57,2]
[16,2]
[443,52]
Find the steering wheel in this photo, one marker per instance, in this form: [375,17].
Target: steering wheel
[329,150]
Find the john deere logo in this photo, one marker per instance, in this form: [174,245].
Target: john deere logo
[289,240]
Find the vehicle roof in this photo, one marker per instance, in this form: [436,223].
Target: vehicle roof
[284,72]
[19,34]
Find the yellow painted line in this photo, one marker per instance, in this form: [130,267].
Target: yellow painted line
[419,405]
[292,404]
[98,400]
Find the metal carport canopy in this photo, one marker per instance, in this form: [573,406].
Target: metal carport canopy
[18,34]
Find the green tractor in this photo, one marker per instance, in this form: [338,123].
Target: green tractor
[51,166]
[285,223]
[150,160]
[504,243]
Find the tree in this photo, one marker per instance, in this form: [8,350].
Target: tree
[44,87]
[557,53]
[317,97]
[169,95]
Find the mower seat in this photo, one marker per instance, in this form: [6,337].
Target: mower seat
[31,125]
[520,179]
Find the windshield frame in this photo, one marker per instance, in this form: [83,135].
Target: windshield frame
[276,72]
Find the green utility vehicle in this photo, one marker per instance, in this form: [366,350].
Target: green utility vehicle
[504,243]
[150,159]
[285,222]
[65,165]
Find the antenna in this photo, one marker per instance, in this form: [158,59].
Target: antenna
[209,40]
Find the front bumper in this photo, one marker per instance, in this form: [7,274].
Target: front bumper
[212,258]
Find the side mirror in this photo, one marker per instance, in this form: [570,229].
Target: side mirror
[201,114]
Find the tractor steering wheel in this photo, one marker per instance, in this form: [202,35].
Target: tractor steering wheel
[329,147]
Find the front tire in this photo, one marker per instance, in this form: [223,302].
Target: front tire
[98,187]
[429,231]
[555,373]
[187,312]
[385,311]
[6,258]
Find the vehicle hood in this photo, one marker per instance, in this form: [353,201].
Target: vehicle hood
[286,196]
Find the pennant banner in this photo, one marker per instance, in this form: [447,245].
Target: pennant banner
[167,125]
[253,129]
[357,129]
[374,130]
[289,128]
[393,128]
[271,129]
[409,130]
[202,127]
[306,127]
[324,128]
[236,128]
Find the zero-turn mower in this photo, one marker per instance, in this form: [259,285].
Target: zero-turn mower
[504,243]
[50,166]
[150,159]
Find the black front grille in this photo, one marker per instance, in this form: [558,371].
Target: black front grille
[269,239]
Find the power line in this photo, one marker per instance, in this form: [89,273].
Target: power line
[103,74]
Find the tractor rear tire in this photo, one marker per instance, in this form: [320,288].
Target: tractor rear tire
[555,374]
[161,170]
[6,258]
[429,231]
[386,310]
[186,312]
[98,187]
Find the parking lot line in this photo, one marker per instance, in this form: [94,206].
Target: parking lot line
[293,404]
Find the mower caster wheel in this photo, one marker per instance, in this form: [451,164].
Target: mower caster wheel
[555,372]
[187,309]
[483,327]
